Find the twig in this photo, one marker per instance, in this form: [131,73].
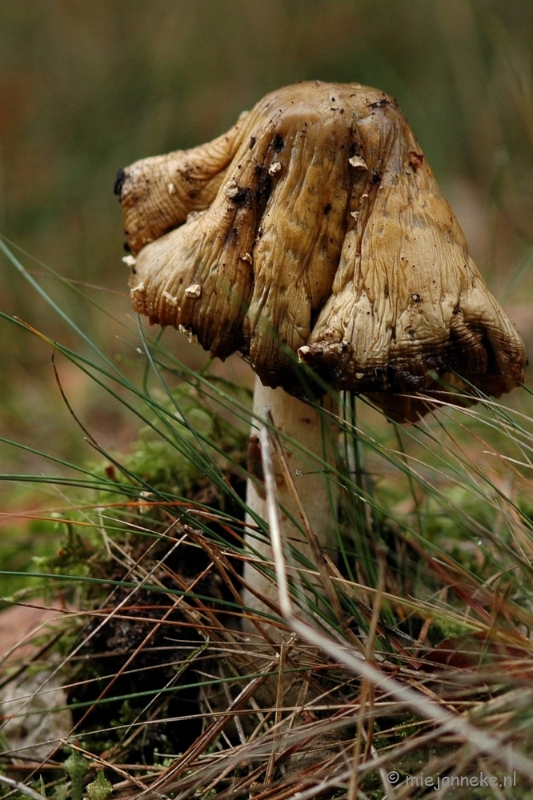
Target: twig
[22,788]
[481,742]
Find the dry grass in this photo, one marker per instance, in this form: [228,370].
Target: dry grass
[414,659]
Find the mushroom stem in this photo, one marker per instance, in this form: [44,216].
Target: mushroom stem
[311,444]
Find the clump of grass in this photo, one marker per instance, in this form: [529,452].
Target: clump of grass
[413,660]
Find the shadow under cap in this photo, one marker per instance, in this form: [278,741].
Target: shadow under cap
[315,229]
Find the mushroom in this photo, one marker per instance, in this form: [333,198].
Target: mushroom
[314,231]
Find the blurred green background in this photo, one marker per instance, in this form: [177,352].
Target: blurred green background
[88,87]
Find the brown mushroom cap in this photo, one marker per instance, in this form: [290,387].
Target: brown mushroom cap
[315,227]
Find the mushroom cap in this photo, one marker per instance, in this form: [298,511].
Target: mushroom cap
[314,230]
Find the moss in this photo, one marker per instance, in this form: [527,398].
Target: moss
[187,450]
[76,767]
[100,788]
[20,555]
[197,462]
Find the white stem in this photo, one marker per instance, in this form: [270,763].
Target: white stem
[316,490]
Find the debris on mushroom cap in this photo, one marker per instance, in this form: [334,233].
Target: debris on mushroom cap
[357,162]
[354,262]
[194,290]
